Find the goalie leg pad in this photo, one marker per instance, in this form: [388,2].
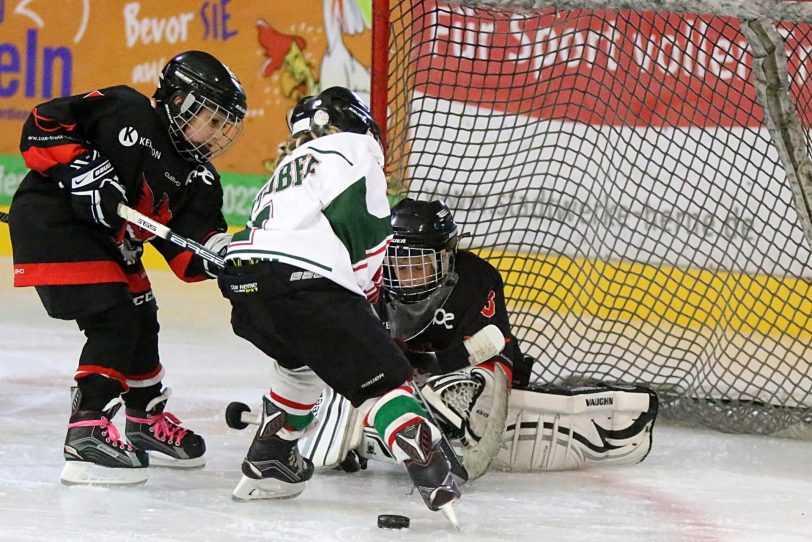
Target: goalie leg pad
[338,428]
[488,414]
[553,428]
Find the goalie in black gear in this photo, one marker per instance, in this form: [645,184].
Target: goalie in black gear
[446,307]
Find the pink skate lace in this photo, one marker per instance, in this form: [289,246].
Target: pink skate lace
[110,432]
[165,426]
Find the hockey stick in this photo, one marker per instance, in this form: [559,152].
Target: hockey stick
[134,217]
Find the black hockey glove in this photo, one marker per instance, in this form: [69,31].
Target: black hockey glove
[94,189]
[131,249]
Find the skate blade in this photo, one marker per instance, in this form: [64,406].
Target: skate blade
[157,459]
[451,515]
[85,473]
[249,489]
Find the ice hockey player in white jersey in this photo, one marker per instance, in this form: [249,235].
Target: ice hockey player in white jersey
[300,278]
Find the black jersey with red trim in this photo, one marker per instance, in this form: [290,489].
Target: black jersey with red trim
[51,246]
[476,301]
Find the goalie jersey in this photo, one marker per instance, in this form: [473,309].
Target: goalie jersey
[476,301]
[52,247]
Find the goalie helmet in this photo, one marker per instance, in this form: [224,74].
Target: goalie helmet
[204,104]
[338,107]
[420,258]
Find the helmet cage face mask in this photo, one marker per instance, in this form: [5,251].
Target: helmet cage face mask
[412,274]
[200,129]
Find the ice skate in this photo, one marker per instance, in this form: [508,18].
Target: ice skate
[160,434]
[273,468]
[95,455]
[428,467]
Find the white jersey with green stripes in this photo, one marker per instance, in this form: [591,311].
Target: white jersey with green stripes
[324,210]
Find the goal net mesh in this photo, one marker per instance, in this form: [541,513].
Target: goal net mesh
[617,168]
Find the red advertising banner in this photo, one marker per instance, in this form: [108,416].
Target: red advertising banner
[608,68]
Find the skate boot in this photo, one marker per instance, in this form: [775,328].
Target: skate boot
[273,468]
[161,435]
[95,455]
[428,468]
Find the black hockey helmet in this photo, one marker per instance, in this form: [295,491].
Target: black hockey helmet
[204,103]
[335,106]
[420,258]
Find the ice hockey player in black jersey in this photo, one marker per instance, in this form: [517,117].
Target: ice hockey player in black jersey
[87,154]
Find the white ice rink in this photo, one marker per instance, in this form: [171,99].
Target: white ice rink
[695,485]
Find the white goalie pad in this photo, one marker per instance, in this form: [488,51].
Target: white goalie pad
[553,428]
[336,429]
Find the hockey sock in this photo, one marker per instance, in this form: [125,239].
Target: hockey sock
[297,416]
[138,398]
[96,391]
[394,411]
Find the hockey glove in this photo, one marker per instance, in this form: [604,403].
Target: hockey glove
[94,189]
[217,243]
[131,250]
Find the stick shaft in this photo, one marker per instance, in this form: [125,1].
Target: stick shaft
[134,217]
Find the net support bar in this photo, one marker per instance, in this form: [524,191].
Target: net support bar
[771,80]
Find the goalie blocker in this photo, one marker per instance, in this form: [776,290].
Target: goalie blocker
[548,428]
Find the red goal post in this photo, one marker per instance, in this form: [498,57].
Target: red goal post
[641,178]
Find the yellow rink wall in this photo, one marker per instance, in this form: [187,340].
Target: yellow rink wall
[632,292]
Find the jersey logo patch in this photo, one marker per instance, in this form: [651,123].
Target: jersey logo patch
[490,307]
[443,318]
[128,136]
[200,173]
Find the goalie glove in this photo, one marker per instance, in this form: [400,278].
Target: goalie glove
[463,400]
[217,243]
[94,189]
[473,408]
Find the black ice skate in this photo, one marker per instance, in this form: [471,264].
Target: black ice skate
[428,468]
[273,468]
[95,455]
[161,435]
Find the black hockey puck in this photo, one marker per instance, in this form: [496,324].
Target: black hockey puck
[393,521]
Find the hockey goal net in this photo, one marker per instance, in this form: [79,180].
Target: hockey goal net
[640,178]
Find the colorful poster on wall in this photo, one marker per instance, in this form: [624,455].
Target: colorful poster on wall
[279,50]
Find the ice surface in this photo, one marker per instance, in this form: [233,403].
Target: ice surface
[695,485]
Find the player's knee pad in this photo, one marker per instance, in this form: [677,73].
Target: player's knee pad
[554,428]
